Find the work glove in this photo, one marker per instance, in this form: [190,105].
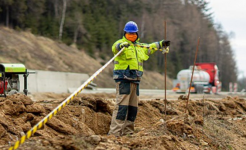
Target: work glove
[164,44]
[124,44]
[165,50]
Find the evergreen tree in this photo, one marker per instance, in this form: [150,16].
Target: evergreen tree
[95,25]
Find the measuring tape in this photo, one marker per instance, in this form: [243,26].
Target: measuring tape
[164,50]
[41,123]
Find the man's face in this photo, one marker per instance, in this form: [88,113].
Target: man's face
[131,36]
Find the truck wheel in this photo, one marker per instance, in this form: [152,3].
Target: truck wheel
[199,89]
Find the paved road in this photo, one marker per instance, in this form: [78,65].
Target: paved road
[159,94]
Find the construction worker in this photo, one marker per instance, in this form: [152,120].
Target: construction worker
[128,70]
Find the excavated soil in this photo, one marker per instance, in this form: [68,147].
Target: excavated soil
[84,123]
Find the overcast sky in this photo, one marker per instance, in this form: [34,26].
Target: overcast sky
[231,14]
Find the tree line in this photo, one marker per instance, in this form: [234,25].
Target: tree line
[94,25]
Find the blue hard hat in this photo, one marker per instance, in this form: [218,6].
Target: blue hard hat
[131,27]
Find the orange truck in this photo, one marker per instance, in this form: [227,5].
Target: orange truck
[205,79]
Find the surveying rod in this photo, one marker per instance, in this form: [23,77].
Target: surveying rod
[63,104]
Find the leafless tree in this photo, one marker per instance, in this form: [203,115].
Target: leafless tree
[62,18]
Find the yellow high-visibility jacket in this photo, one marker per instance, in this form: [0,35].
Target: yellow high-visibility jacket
[129,64]
[134,55]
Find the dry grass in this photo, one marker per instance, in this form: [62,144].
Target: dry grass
[42,53]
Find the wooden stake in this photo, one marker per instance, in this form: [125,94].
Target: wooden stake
[192,73]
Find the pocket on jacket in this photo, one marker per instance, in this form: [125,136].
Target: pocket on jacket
[130,54]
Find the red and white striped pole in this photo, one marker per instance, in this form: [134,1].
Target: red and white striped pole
[235,88]
[230,87]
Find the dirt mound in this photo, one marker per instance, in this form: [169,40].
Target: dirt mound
[84,123]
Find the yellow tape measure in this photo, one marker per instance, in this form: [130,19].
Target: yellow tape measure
[62,105]
[164,50]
